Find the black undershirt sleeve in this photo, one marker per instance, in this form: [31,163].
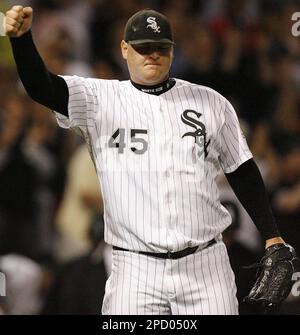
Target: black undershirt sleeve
[41,85]
[248,186]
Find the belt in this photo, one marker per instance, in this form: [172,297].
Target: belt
[169,254]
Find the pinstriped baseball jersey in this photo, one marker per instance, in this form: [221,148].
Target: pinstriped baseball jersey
[157,158]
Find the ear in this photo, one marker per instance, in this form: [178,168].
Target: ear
[172,54]
[124,49]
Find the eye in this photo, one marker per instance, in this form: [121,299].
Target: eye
[164,48]
[143,49]
[150,48]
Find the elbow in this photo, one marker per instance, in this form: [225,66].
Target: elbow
[39,97]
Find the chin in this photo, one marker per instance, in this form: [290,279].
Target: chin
[154,78]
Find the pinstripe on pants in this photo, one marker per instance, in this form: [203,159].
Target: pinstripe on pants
[201,283]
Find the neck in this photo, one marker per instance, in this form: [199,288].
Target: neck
[155,89]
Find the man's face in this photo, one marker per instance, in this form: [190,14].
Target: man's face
[148,63]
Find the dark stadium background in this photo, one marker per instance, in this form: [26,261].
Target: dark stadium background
[56,262]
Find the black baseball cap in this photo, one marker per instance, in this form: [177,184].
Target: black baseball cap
[148,26]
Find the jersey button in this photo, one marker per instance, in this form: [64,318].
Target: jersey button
[167,174]
[168,199]
[171,295]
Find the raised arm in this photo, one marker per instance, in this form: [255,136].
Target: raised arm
[41,85]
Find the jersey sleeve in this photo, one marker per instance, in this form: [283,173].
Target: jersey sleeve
[83,101]
[234,148]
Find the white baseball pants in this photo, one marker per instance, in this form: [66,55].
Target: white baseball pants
[198,284]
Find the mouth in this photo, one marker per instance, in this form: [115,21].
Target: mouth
[152,64]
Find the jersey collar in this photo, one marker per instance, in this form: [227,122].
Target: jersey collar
[156,89]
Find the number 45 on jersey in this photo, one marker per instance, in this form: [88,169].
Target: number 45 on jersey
[138,144]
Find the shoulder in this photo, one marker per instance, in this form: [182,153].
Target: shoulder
[92,82]
[200,90]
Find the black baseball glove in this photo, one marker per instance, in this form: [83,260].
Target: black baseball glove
[274,276]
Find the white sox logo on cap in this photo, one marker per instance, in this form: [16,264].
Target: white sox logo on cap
[153,24]
[148,26]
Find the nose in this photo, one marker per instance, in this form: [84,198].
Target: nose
[155,55]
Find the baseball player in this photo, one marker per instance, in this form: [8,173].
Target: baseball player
[158,144]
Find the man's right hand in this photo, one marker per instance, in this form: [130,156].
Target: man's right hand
[18,21]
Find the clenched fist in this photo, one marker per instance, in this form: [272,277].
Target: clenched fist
[18,21]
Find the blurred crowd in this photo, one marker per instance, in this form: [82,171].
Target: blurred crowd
[51,223]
